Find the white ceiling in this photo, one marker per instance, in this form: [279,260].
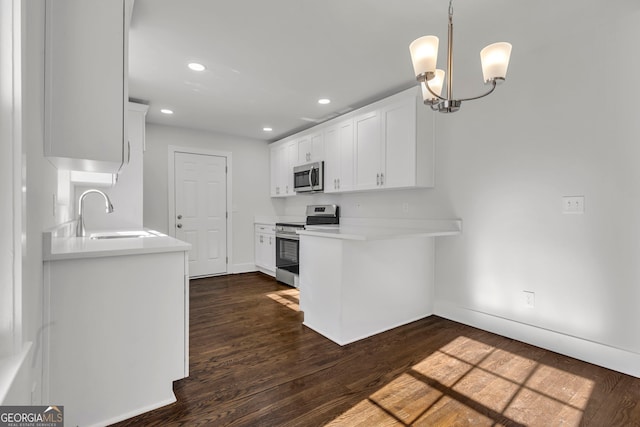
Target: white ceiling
[268,62]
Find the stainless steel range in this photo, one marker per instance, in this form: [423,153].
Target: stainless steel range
[288,241]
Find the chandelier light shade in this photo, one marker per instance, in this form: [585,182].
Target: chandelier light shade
[424,54]
[435,84]
[495,61]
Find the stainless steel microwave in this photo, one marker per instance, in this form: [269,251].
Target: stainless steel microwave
[309,177]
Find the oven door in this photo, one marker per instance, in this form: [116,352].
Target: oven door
[287,253]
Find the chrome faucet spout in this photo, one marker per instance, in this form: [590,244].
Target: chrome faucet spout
[80,230]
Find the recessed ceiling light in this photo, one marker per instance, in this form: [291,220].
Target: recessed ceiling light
[267,129]
[196,66]
[166,111]
[324,101]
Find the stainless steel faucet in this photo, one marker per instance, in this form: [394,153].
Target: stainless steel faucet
[80,231]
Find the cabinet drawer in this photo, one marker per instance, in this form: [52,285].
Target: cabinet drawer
[265,228]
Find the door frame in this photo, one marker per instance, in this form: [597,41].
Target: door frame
[172,150]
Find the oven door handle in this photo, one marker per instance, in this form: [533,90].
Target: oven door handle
[287,236]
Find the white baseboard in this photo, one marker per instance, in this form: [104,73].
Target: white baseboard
[246,267]
[265,271]
[620,360]
[167,401]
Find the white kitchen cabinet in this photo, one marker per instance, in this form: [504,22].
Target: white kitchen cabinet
[117,326]
[338,166]
[387,144]
[274,169]
[86,84]
[398,130]
[368,150]
[394,144]
[284,156]
[346,294]
[311,147]
[265,248]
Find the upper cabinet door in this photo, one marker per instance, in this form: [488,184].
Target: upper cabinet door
[317,147]
[332,159]
[304,150]
[399,135]
[290,161]
[345,137]
[338,157]
[284,156]
[310,148]
[86,83]
[368,150]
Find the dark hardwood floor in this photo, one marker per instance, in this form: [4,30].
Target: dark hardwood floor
[253,363]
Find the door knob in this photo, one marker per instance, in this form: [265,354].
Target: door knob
[179,216]
[179,225]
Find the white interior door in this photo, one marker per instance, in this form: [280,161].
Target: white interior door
[201,210]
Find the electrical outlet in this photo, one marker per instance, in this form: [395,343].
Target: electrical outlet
[573,204]
[529,299]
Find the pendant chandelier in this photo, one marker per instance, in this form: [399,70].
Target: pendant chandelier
[424,55]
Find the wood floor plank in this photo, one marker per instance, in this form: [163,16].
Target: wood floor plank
[253,363]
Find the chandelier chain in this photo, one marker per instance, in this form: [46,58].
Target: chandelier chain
[450,8]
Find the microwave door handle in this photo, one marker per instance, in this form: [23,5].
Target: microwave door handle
[311,178]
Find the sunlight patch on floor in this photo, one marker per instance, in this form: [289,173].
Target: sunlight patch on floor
[290,298]
[468,382]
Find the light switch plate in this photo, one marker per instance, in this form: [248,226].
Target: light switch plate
[529,299]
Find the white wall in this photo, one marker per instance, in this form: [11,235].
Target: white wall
[10,182]
[250,172]
[506,161]
[40,182]
[565,123]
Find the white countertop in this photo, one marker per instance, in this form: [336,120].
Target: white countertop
[63,248]
[368,232]
[271,220]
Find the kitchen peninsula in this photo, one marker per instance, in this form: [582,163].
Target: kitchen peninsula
[360,280]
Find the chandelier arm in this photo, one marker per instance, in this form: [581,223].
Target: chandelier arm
[493,87]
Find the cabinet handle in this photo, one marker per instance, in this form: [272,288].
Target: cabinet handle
[179,217]
[179,225]
[287,189]
[269,239]
[381,179]
[338,182]
[377,179]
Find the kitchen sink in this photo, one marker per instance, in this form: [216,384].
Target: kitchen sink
[124,234]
